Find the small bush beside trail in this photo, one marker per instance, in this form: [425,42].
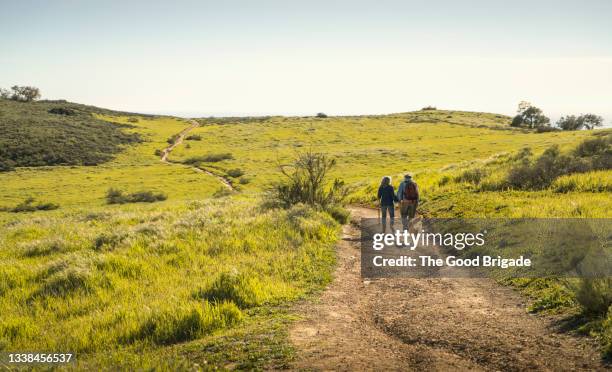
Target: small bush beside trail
[305,181]
[235,173]
[210,158]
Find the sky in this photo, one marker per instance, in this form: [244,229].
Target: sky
[269,57]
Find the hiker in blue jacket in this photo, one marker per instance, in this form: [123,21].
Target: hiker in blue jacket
[408,196]
[387,199]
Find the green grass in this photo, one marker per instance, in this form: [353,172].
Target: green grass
[363,146]
[135,169]
[202,278]
[145,277]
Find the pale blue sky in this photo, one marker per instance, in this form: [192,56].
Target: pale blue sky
[301,57]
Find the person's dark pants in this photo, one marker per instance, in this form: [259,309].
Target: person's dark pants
[407,211]
[383,212]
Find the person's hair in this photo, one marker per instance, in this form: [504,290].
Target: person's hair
[385,181]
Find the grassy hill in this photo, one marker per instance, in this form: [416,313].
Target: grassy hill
[366,147]
[57,133]
[197,275]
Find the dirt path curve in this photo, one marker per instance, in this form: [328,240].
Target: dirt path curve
[434,324]
[179,139]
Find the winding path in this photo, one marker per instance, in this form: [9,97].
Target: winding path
[438,324]
[179,140]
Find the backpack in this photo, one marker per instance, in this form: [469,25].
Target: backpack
[410,191]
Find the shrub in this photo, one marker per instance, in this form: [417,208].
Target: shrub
[210,158]
[306,182]
[115,196]
[592,154]
[6,165]
[339,213]
[321,115]
[235,173]
[133,120]
[429,108]
[473,176]
[594,295]
[62,111]
[194,137]
[547,129]
[109,241]
[29,206]
[171,140]
[158,152]
[594,147]
[244,180]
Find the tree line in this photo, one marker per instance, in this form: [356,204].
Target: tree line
[529,116]
[20,93]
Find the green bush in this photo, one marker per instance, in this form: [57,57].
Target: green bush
[29,206]
[210,158]
[306,182]
[115,196]
[473,176]
[62,111]
[339,213]
[590,155]
[235,173]
[594,295]
[194,137]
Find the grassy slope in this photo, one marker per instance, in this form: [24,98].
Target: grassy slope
[136,168]
[366,147]
[152,259]
[128,280]
[32,136]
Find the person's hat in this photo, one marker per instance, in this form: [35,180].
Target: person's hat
[408,175]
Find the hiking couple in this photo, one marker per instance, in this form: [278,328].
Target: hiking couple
[407,196]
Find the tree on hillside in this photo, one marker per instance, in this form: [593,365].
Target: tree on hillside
[590,121]
[569,122]
[24,93]
[530,116]
[5,93]
[573,122]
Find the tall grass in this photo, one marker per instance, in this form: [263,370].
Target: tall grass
[144,276]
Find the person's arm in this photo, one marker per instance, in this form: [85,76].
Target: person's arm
[400,192]
[379,193]
[395,199]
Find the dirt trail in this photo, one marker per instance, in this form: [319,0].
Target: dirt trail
[179,139]
[434,324]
